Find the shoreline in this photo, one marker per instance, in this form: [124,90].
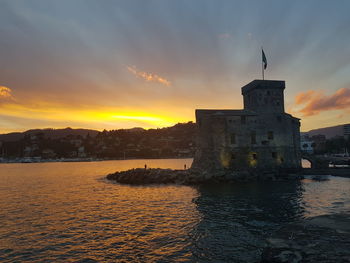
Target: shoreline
[73,160]
[148,176]
[333,171]
[153,176]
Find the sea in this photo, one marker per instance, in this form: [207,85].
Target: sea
[69,212]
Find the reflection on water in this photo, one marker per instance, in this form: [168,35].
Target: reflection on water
[236,219]
[68,212]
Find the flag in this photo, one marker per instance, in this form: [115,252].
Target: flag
[264,59]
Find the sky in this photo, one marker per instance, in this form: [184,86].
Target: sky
[122,64]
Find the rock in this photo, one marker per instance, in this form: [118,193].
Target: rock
[323,238]
[141,176]
[284,256]
[320,178]
[277,242]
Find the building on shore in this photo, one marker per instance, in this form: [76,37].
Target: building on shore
[306,144]
[260,136]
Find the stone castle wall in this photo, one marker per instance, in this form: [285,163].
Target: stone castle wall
[261,136]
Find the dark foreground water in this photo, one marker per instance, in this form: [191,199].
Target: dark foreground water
[68,212]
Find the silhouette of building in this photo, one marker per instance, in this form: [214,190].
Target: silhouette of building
[261,136]
[307,144]
[346,129]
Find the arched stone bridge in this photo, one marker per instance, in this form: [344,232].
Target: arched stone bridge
[317,162]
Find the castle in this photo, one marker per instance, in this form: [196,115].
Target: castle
[262,136]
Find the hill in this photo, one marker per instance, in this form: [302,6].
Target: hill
[48,133]
[329,132]
[169,142]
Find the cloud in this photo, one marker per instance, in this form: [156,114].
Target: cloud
[148,76]
[5,92]
[316,101]
[225,36]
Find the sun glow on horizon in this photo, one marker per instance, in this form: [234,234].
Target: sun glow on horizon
[101,118]
[140,118]
[143,65]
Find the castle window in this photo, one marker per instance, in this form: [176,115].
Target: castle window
[233,138]
[274,155]
[270,135]
[243,119]
[255,156]
[282,160]
[253,137]
[233,156]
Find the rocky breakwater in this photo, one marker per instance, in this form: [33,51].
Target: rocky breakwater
[141,176]
[323,238]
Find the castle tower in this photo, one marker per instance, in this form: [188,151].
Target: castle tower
[264,96]
[262,136]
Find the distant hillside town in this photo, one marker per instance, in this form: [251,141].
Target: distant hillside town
[51,144]
[331,140]
[172,142]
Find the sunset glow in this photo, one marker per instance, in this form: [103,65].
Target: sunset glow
[5,92]
[174,131]
[98,118]
[111,65]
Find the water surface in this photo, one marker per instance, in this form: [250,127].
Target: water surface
[68,212]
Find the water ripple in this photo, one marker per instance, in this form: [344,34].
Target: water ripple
[68,212]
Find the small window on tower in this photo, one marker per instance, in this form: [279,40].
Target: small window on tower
[255,156]
[233,156]
[270,135]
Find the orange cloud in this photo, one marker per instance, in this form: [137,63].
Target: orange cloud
[148,76]
[303,97]
[316,101]
[5,92]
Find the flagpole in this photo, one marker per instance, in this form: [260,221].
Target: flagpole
[262,65]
